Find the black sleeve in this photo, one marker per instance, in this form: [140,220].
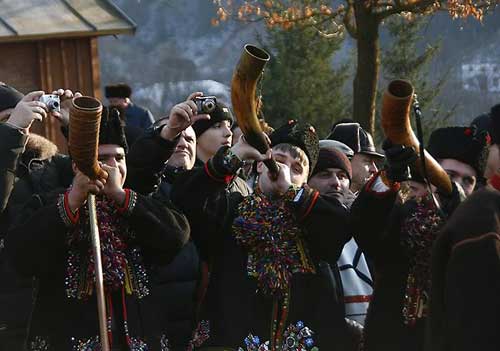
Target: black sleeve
[12,143]
[146,160]
[161,230]
[324,220]
[37,241]
[375,223]
[203,195]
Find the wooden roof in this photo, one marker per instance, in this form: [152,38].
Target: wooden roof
[22,20]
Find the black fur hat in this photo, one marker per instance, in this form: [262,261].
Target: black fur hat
[120,90]
[9,97]
[112,130]
[465,144]
[301,135]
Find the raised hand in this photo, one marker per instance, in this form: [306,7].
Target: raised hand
[245,151]
[113,188]
[66,97]
[81,188]
[398,160]
[182,116]
[28,110]
[281,184]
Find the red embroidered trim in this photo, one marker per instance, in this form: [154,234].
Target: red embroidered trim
[73,217]
[124,208]
[226,179]
[495,181]
[392,188]
[311,204]
[210,174]
[357,299]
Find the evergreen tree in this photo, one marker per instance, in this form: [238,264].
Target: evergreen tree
[405,58]
[300,81]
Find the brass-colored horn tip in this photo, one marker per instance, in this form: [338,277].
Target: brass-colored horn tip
[400,88]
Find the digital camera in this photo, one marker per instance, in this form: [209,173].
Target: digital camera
[53,102]
[205,104]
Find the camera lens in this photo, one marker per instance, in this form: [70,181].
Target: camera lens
[55,104]
[209,106]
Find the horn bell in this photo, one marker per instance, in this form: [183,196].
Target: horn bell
[396,106]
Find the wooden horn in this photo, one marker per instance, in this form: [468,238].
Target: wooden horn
[396,105]
[244,101]
[84,122]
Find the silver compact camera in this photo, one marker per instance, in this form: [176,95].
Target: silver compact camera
[205,104]
[53,102]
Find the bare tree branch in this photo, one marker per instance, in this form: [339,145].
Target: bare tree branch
[416,6]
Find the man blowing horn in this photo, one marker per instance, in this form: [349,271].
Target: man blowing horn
[52,243]
[264,248]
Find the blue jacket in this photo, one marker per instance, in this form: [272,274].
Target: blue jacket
[138,116]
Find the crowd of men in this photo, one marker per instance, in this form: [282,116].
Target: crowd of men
[204,248]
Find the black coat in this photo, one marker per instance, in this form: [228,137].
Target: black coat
[15,292]
[19,161]
[465,308]
[12,143]
[378,226]
[233,305]
[376,220]
[37,246]
[179,279]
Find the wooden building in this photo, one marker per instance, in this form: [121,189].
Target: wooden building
[51,44]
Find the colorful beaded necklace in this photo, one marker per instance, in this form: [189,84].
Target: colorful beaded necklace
[420,230]
[123,269]
[268,231]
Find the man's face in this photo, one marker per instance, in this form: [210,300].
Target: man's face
[461,173]
[212,139]
[363,167]
[331,181]
[118,102]
[184,154]
[493,162]
[299,169]
[114,156]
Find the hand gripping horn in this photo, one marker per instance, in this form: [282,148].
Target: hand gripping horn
[244,101]
[396,105]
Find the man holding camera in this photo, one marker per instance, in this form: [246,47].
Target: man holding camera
[22,154]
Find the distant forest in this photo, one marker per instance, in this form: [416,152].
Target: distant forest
[176,50]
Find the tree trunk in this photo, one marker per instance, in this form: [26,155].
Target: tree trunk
[365,81]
